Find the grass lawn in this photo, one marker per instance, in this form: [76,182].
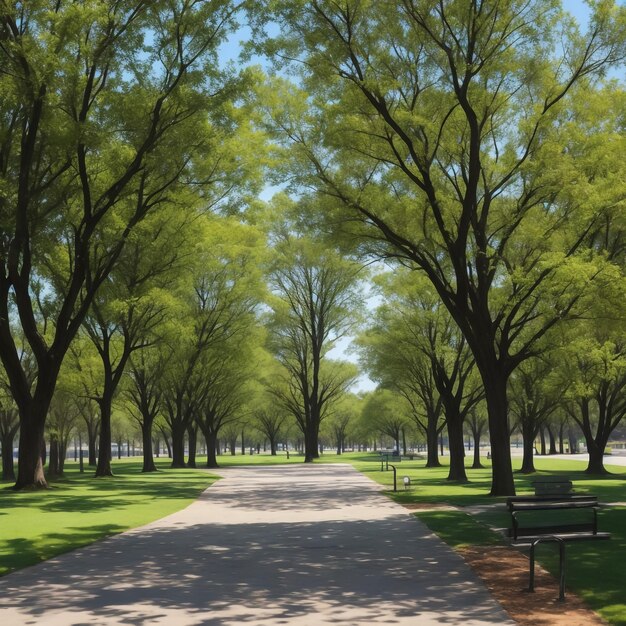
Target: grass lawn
[80,509]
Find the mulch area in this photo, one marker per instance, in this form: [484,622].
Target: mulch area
[505,573]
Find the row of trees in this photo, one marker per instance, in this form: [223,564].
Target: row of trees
[416,351]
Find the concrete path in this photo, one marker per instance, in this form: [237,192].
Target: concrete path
[305,545]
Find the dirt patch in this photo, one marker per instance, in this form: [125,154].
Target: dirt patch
[505,573]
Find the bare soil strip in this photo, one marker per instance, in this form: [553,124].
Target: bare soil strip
[505,573]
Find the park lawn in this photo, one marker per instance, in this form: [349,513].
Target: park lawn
[79,509]
[594,570]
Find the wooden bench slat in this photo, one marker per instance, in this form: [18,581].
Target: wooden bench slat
[523,539]
[551,506]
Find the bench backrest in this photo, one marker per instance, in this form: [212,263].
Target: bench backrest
[512,501]
[550,487]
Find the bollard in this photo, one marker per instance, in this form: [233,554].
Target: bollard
[395,488]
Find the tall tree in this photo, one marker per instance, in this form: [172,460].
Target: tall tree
[595,398]
[144,394]
[131,306]
[316,302]
[218,297]
[440,132]
[105,106]
[417,338]
[385,412]
[61,422]
[533,401]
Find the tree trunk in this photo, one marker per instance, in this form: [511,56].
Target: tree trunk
[192,435]
[528,437]
[476,434]
[8,470]
[104,446]
[502,483]
[178,445]
[273,446]
[596,461]
[211,442]
[457,449]
[30,472]
[476,463]
[552,449]
[91,444]
[146,438]
[311,443]
[432,452]
[62,454]
[53,464]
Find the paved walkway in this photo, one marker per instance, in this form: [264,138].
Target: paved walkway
[300,545]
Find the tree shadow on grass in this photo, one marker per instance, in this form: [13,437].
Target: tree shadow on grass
[19,552]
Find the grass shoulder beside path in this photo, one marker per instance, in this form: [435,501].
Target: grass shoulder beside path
[80,509]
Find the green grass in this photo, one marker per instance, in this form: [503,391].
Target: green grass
[79,509]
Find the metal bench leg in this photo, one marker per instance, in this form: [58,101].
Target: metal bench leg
[531,573]
[562,571]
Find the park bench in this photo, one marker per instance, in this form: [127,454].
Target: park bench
[553,518]
[553,486]
[387,457]
[538,516]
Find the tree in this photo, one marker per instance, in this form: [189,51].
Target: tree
[130,307]
[144,394]
[532,404]
[218,298]
[61,422]
[316,302]
[397,351]
[595,398]
[342,419]
[225,380]
[441,133]
[105,108]
[414,322]
[386,412]
[477,422]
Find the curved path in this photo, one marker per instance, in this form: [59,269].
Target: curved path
[307,545]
